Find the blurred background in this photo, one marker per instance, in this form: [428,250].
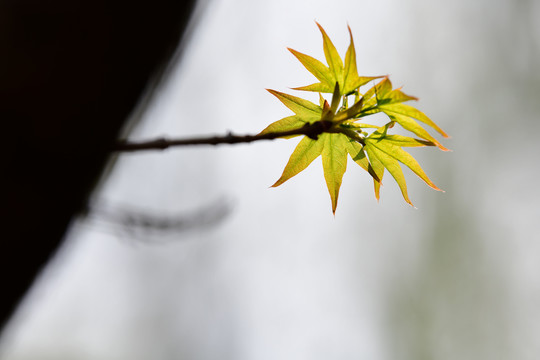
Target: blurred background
[187,254]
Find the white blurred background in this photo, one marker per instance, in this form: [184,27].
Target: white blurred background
[279,277]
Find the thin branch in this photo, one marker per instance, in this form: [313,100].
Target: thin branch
[139,223]
[311,130]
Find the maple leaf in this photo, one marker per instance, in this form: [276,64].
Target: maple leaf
[340,133]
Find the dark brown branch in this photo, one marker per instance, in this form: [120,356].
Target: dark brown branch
[311,130]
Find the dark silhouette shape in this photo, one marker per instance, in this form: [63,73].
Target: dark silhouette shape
[70,74]
[139,225]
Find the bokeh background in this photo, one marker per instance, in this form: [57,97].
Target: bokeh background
[230,269]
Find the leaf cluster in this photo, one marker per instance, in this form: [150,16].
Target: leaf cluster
[343,130]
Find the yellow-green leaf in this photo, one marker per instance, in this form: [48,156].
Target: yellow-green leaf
[400,140]
[378,168]
[305,109]
[391,165]
[305,152]
[350,72]
[402,156]
[332,58]
[322,101]
[334,159]
[318,87]
[396,96]
[289,123]
[362,80]
[336,99]
[407,110]
[385,95]
[346,76]
[319,70]
[360,126]
[383,88]
[378,91]
[350,112]
[341,134]
[351,80]
[370,101]
[356,151]
[410,124]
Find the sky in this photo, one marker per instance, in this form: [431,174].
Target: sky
[270,273]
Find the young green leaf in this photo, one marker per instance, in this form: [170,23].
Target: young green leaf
[381,94]
[378,168]
[392,166]
[289,123]
[350,112]
[332,58]
[351,80]
[400,155]
[305,109]
[350,71]
[407,110]
[338,131]
[356,151]
[400,140]
[410,124]
[319,70]
[334,159]
[306,151]
[346,75]
[336,99]
[383,88]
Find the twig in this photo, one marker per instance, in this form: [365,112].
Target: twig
[311,130]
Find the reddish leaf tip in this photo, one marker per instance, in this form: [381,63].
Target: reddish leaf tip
[321,29]
[442,147]
[435,187]
[326,105]
[294,52]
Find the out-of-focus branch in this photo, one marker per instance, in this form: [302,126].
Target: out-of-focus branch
[311,130]
[144,224]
